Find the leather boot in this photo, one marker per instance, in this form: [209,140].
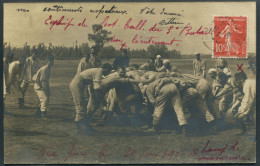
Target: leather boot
[184,131]
[242,130]
[89,128]
[80,128]
[21,103]
[38,112]
[5,111]
[154,129]
[212,127]
[80,125]
[43,115]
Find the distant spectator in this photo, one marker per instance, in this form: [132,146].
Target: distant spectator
[149,66]
[158,62]
[199,66]
[122,60]
[94,60]
[84,64]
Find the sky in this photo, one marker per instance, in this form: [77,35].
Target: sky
[34,26]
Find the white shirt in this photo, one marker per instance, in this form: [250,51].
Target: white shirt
[83,65]
[15,71]
[42,75]
[31,67]
[248,101]
[94,74]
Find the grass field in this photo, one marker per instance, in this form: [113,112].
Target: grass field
[28,139]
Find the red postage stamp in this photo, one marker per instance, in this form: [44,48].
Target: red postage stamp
[230,37]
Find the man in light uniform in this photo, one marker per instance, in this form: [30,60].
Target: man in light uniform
[248,104]
[31,66]
[42,86]
[162,92]
[199,66]
[6,61]
[85,64]
[16,71]
[90,77]
[195,92]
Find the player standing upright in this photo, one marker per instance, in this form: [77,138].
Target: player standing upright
[122,60]
[199,66]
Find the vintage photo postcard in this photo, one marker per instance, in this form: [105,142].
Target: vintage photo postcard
[129,82]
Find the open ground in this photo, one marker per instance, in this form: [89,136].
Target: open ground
[28,139]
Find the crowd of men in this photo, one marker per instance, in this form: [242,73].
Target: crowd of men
[144,91]
[20,74]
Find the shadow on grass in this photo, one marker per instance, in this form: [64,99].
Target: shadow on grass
[23,133]
[61,118]
[128,134]
[20,115]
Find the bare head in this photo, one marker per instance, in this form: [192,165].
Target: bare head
[22,60]
[158,57]
[106,69]
[212,73]
[197,55]
[221,78]
[121,71]
[239,78]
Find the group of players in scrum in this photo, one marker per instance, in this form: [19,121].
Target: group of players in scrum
[148,90]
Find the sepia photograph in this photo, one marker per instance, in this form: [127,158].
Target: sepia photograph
[129,82]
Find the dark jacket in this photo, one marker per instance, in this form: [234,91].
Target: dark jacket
[121,61]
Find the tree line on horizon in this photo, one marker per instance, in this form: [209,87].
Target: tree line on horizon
[77,52]
[99,38]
